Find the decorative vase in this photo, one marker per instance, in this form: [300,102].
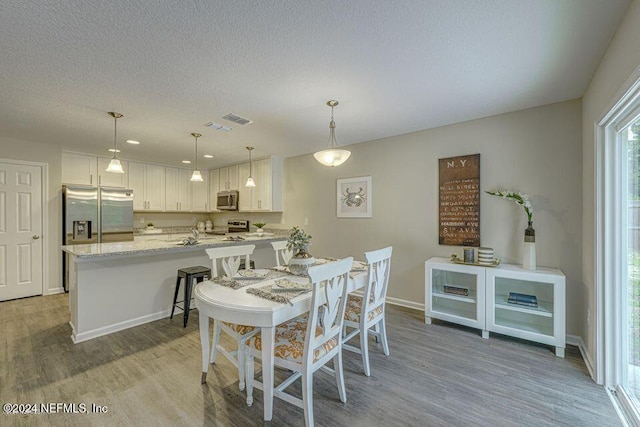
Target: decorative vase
[300,262]
[529,252]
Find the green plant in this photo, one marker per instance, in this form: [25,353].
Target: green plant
[298,240]
[259,224]
[520,198]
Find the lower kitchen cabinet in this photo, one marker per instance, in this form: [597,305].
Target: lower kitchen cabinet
[477,297]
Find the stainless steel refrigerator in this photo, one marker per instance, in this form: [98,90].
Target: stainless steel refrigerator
[95,215]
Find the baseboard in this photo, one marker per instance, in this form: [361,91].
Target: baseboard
[405,303]
[54,291]
[98,332]
[588,361]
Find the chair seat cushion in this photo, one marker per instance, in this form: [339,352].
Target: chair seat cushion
[354,309]
[289,341]
[239,329]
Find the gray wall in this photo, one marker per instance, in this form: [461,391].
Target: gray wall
[617,65]
[536,151]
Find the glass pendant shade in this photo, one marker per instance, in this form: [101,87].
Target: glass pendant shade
[333,156]
[114,166]
[250,182]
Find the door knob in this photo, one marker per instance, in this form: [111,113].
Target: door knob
[36,237]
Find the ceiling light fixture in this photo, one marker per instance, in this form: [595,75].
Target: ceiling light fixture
[114,164]
[113,150]
[333,156]
[208,156]
[250,181]
[196,176]
[132,141]
[188,162]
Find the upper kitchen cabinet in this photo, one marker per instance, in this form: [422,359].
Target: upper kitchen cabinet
[79,169]
[85,169]
[110,179]
[267,194]
[229,178]
[148,185]
[214,187]
[177,190]
[200,193]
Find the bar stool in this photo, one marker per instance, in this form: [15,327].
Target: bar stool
[188,274]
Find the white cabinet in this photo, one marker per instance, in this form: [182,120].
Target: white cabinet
[110,179]
[214,187]
[148,185]
[85,169]
[177,190]
[200,194]
[79,169]
[229,178]
[244,193]
[455,293]
[267,194]
[478,297]
[544,323]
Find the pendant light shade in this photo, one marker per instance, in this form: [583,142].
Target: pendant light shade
[250,181]
[114,165]
[196,176]
[333,156]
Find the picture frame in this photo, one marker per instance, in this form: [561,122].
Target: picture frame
[354,197]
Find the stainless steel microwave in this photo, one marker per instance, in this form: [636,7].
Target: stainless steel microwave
[227,200]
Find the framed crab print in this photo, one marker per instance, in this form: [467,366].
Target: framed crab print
[355,197]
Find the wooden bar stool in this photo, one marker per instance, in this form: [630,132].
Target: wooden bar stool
[198,273]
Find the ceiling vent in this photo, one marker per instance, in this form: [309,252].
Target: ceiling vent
[217,126]
[237,119]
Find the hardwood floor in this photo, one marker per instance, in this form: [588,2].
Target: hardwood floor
[436,375]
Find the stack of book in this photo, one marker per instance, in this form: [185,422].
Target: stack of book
[522,299]
[448,289]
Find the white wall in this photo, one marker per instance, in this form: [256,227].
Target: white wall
[43,153]
[619,62]
[536,151]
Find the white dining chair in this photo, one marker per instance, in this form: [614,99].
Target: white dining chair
[375,294]
[230,258]
[306,343]
[282,251]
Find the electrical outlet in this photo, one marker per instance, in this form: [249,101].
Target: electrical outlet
[141,221]
[588,317]
[306,221]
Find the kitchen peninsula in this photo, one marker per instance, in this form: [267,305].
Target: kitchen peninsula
[115,286]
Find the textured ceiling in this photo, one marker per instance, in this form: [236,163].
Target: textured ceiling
[396,66]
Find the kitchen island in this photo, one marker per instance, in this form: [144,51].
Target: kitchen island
[115,286]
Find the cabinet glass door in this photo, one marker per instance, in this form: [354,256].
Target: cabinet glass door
[524,305]
[455,294]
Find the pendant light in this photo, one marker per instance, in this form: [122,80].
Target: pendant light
[196,176]
[250,181]
[114,164]
[333,156]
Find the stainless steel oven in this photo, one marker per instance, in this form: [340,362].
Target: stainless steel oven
[227,200]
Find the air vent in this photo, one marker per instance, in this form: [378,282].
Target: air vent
[217,126]
[237,119]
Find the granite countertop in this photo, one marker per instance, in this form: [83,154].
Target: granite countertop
[146,247]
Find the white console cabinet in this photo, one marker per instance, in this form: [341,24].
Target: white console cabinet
[486,307]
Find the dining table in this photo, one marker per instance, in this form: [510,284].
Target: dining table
[226,304]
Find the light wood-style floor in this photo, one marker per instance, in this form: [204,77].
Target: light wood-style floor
[436,375]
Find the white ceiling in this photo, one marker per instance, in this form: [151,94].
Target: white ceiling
[396,66]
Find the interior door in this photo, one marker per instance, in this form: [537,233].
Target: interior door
[21,254]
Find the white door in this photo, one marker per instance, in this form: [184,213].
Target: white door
[20,231]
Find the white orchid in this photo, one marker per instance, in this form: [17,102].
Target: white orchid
[520,198]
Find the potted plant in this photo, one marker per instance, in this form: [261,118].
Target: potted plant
[298,242]
[258,226]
